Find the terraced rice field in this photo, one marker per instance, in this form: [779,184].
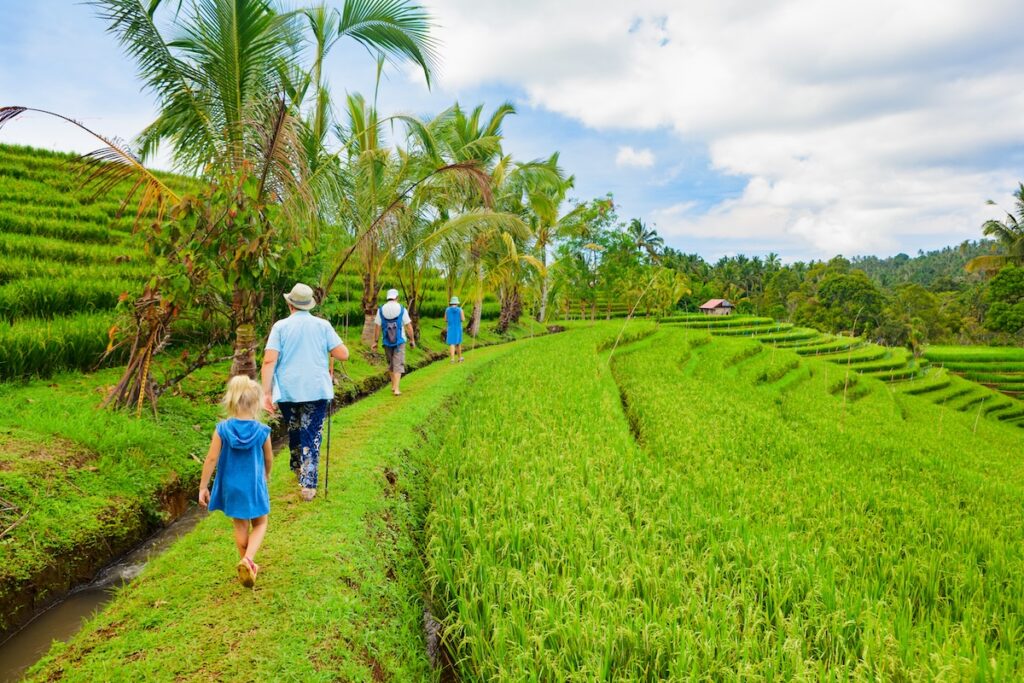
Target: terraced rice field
[996,374]
[998,367]
[814,529]
[635,521]
[66,258]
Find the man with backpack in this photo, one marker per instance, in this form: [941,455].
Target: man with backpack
[393,328]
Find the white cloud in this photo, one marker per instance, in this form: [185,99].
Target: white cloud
[856,126]
[628,156]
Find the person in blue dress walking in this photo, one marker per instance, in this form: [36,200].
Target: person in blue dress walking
[241,452]
[455,317]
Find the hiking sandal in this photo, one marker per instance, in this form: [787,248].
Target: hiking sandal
[247,570]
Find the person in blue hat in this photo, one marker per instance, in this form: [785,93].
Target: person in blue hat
[456,318]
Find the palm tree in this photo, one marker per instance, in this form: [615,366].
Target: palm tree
[1009,233]
[466,138]
[229,110]
[644,238]
[545,197]
[381,184]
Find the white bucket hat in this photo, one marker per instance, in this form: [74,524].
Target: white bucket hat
[392,295]
[454,301]
[301,297]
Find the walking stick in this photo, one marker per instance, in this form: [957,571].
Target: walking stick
[327,478]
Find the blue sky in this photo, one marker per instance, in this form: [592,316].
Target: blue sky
[803,127]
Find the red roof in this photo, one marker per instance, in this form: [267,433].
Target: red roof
[716,303]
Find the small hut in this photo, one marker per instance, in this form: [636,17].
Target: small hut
[716,307]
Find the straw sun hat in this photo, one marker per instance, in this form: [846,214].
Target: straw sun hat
[301,297]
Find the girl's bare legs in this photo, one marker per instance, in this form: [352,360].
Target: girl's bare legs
[459,347]
[259,530]
[451,352]
[248,541]
[242,536]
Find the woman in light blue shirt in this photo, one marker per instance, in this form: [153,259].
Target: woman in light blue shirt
[297,378]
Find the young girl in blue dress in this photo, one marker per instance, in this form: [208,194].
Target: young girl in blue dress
[241,452]
[455,317]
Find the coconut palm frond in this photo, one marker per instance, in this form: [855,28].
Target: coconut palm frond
[504,109]
[185,108]
[477,222]
[985,264]
[109,166]
[278,150]
[240,48]
[397,29]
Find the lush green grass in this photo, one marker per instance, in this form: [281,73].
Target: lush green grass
[716,322]
[339,597]
[88,479]
[995,367]
[1000,367]
[878,539]
[974,353]
[795,533]
[525,545]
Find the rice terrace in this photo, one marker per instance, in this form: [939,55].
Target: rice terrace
[388,340]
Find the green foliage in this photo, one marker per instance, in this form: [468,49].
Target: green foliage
[1006,294]
[46,298]
[847,302]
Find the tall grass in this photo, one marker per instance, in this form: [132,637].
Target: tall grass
[49,297]
[39,348]
[748,532]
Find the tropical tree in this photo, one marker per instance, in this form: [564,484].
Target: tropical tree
[1008,233]
[546,196]
[231,114]
[645,239]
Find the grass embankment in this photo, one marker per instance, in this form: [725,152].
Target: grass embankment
[84,484]
[66,259]
[991,371]
[769,521]
[340,594]
[998,367]
[81,486]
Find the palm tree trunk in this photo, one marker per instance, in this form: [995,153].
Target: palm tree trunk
[478,312]
[369,302]
[511,309]
[244,359]
[244,305]
[545,287]
[414,315]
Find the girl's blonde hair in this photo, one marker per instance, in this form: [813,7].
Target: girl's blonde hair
[243,395]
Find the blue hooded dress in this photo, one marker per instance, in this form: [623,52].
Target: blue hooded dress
[240,487]
[453,316]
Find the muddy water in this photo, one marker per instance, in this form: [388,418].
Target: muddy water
[63,620]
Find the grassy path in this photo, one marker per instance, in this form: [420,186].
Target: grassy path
[340,594]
